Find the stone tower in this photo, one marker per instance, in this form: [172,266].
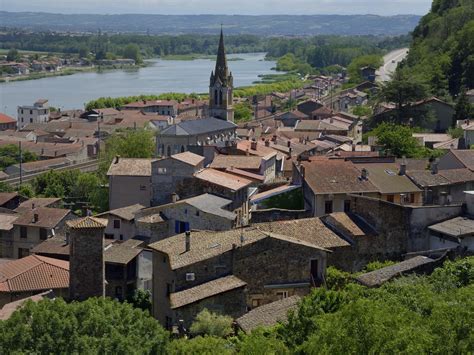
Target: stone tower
[221,87]
[86,258]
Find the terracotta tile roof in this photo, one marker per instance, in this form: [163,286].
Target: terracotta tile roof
[127,213]
[268,314]
[6,119]
[309,229]
[130,167]
[318,125]
[206,290]
[39,202]
[208,244]
[7,196]
[335,176]
[378,277]
[223,179]
[261,151]
[47,217]
[245,174]
[189,158]
[150,103]
[87,223]
[250,162]
[34,273]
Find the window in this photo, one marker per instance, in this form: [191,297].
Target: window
[142,187]
[121,236]
[328,207]
[116,223]
[162,171]
[22,252]
[412,198]
[197,213]
[23,232]
[43,233]
[347,206]
[108,236]
[31,112]
[390,198]
[31,120]
[282,294]
[181,227]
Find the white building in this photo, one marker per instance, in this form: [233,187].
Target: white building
[38,113]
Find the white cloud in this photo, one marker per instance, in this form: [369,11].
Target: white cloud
[248,7]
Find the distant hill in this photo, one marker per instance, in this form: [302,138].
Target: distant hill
[442,51]
[278,25]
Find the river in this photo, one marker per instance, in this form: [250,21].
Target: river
[73,91]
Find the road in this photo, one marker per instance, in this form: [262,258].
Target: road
[390,62]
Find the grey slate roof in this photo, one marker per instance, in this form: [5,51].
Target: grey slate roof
[212,204]
[378,277]
[195,127]
[456,227]
[268,315]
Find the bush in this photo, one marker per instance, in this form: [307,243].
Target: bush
[212,324]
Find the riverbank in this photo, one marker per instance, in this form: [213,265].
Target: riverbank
[190,57]
[70,71]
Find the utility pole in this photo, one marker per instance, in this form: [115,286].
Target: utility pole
[21,160]
[98,140]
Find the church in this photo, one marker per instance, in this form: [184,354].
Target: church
[201,135]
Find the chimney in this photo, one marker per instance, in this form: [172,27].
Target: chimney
[288,144]
[117,158]
[267,143]
[403,169]
[174,197]
[35,218]
[434,167]
[187,241]
[32,206]
[353,147]
[247,152]
[253,145]
[364,174]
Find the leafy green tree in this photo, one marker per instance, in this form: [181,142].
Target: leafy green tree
[464,109]
[132,51]
[127,144]
[242,112]
[397,139]
[402,91]
[362,111]
[10,155]
[26,190]
[140,299]
[212,324]
[13,55]
[337,279]
[4,187]
[261,342]
[95,326]
[200,345]
[376,265]
[303,322]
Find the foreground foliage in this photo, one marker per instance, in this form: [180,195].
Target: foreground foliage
[90,327]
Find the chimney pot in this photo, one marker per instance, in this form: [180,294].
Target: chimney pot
[403,169]
[174,197]
[434,167]
[35,217]
[187,241]
[364,174]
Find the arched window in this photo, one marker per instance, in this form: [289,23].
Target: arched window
[215,97]
[220,97]
[182,149]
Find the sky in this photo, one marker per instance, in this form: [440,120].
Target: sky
[228,7]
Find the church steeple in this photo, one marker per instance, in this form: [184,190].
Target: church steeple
[221,71]
[221,86]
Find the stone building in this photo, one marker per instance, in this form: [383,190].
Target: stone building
[121,222]
[271,266]
[169,173]
[221,87]
[86,249]
[129,182]
[203,212]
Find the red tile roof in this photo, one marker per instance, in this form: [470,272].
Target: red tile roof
[34,273]
[6,119]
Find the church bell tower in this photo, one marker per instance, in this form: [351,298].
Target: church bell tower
[221,87]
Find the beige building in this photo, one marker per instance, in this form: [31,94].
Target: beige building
[129,182]
[121,222]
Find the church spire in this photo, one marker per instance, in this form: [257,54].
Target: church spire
[221,71]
